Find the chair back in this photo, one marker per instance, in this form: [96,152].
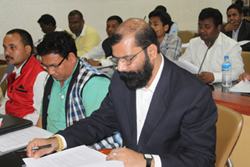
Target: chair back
[4,84]
[246,60]
[229,125]
[185,36]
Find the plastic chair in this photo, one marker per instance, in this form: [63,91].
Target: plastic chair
[246,60]
[229,125]
[185,36]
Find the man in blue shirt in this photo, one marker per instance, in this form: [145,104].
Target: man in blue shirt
[74,89]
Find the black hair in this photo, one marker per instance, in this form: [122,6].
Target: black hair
[58,43]
[114,17]
[165,18]
[144,36]
[161,8]
[235,6]
[211,13]
[47,19]
[76,12]
[26,38]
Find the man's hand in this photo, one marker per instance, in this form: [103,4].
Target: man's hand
[129,157]
[232,26]
[243,76]
[206,77]
[93,62]
[41,142]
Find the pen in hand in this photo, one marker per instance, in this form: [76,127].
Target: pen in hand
[41,147]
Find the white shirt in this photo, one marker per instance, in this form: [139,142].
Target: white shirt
[82,33]
[37,98]
[96,53]
[222,46]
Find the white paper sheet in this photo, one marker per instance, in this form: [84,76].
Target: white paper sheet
[187,66]
[18,139]
[185,45]
[242,87]
[243,42]
[81,156]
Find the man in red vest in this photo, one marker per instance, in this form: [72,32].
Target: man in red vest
[25,84]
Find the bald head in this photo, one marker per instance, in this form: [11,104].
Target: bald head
[135,28]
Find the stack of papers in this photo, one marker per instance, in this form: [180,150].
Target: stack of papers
[81,156]
[242,87]
[187,66]
[19,139]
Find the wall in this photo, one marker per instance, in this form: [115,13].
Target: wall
[25,13]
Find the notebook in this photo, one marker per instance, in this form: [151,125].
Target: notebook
[12,123]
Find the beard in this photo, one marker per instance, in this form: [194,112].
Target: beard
[135,80]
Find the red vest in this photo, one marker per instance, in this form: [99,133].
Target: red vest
[20,90]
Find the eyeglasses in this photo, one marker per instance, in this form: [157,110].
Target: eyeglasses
[125,59]
[51,66]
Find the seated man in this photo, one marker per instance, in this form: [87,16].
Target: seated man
[104,48]
[72,83]
[170,44]
[210,23]
[25,85]
[48,23]
[237,27]
[86,38]
[166,115]
[173,27]
[243,77]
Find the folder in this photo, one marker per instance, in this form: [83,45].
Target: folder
[12,123]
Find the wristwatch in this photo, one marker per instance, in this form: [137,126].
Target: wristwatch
[148,158]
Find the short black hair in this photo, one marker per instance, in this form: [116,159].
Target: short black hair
[211,13]
[165,18]
[76,12]
[26,38]
[144,37]
[162,8]
[58,43]
[235,6]
[47,19]
[115,17]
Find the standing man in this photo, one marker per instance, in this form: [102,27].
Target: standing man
[166,115]
[73,90]
[104,48]
[25,84]
[237,27]
[48,23]
[210,23]
[170,44]
[86,38]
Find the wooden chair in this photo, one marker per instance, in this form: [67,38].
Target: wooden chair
[246,60]
[185,36]
[4,84]
[229,125]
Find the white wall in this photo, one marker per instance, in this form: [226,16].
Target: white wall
[25,13]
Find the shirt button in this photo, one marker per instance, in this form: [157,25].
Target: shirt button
[62,96]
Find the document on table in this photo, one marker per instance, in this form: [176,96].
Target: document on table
[18,139]
[243,42]
[185,45]
[242,87]
[187,66]
[80,156]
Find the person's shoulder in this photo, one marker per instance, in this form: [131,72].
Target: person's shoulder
[227,39]
[90,30]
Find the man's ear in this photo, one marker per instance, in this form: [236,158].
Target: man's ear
[219,28]
[241,16]
[72,57]
[166,27]
[152,51]
[28,50]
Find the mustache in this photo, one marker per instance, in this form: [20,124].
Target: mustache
[8,57]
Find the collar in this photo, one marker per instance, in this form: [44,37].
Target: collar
[82,33]
[218,40]
[239,26]
[157,78]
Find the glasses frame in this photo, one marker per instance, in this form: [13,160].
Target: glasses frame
[52,66]
[125,59]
